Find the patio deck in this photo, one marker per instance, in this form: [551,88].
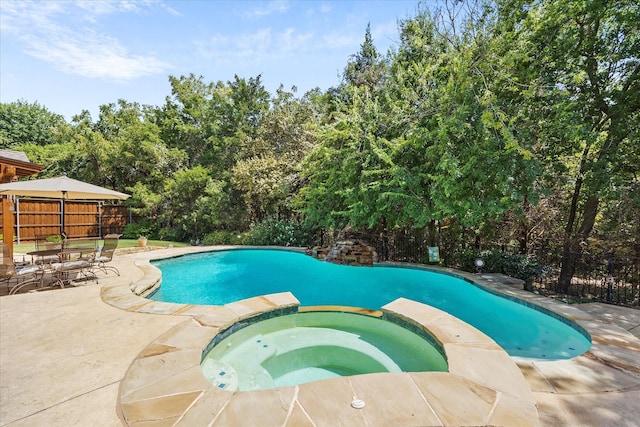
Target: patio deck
[63,354]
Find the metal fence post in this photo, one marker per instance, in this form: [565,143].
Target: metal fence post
[610,278]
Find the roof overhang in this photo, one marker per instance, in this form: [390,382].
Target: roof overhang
[21,168]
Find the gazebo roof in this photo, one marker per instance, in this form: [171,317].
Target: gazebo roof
[20,162]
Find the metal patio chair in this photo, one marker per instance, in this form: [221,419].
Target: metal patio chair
[23,275]
[105,255]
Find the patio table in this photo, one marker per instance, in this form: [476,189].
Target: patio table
[61,262]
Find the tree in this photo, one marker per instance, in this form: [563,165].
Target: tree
[24,123]
[134,151]
[181,198]
[187,120]
[268,178]
[341,173]
[365,67]
[287,129]
[457,154]
[588,69]
[264,183]
[241,106]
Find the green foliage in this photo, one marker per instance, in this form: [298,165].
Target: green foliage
[346,171]
[170,235]
[514,265]
[186,121]
[366,67]
[23,123]
[181,196]
[273,232]
[584,98]
[265,183]
[224,237]
[433,143]
[134,230]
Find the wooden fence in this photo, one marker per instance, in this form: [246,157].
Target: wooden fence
[40,217]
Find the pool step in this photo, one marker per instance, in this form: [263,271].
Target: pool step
[220,374]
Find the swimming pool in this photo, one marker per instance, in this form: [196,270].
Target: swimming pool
[220,277]
[303,347]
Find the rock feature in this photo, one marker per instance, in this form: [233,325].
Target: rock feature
[347,252]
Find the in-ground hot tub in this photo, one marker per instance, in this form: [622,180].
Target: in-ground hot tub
[311,346]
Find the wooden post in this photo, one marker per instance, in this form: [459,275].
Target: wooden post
[7,174]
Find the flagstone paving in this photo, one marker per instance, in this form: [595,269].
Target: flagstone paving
[88,355]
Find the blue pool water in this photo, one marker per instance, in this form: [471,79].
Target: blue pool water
[221,277]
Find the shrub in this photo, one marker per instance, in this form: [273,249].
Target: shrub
[170,235]
[137,229]
[273,232]
[223,237]
[515,265]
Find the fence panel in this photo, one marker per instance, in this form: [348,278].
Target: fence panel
[114,219]
[604,278]
[42,217]
[36,218]
[81,219]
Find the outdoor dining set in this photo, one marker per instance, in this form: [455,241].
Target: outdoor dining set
[58,263]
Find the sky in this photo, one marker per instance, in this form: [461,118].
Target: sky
[70,56]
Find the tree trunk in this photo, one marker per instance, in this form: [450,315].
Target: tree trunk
[431,233]
[569,259]
[571,244]
[589,217]
[524,228]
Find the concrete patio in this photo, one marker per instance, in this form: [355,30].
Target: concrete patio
[64,353]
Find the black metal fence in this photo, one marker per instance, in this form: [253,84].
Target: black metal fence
[598,277]
[397,247]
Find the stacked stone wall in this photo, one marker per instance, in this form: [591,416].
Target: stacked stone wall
[347,252]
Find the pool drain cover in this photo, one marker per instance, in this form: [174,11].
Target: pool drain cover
[357,403]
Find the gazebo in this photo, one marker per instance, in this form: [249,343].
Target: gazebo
[13,164]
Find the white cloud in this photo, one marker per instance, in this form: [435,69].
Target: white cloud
[338,40]
[291,41]
[385,34]
[56,33]
[256,47]
[271,7]
[254,44]
[91,55]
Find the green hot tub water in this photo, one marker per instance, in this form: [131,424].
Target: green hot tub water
[311,346]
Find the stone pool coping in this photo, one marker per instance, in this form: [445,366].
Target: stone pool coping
[179,394]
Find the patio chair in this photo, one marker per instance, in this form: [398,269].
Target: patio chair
[85,248]
[23,275]
[74,260]
[105,255]
[66,272]
[48,247]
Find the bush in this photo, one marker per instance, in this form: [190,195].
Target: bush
[515,265]
[272,232]
[171,235]
[137,229]
[223,237]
